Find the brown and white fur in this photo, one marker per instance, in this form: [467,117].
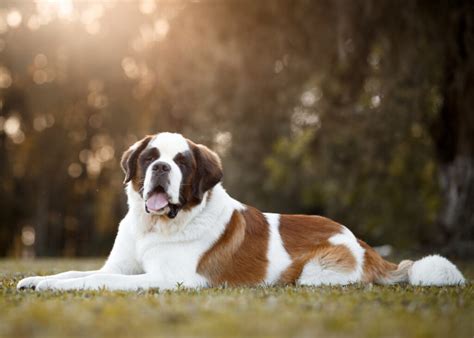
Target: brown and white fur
[183,228]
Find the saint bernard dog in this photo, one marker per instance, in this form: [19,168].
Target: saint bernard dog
[183,229]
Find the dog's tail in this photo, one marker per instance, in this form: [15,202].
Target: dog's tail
[430,270]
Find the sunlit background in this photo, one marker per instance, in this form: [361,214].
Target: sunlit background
[357,110]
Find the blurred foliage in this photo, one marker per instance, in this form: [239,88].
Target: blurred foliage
[323,107]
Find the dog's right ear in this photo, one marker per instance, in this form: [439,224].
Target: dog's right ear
[130,157]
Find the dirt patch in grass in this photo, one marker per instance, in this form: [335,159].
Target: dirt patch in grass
[359,310]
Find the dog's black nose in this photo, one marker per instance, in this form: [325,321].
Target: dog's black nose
[161,167]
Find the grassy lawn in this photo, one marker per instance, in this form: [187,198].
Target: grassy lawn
[363,311]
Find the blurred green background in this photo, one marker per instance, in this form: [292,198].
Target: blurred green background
[356,110]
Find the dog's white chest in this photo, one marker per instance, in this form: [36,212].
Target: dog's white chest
[173,261]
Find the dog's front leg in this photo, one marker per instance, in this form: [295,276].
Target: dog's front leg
[109,282]
[32,282]
[121,260]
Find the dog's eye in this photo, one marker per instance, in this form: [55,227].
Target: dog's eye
[181,160]
[148,159]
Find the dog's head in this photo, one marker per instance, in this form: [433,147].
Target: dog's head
[170,173]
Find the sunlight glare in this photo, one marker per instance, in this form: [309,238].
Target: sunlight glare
[161,28]
[147,6]
[64,9]
[14,18]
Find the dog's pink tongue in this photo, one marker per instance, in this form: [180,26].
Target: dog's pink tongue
[157,201]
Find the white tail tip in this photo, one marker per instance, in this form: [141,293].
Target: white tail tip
[434,270]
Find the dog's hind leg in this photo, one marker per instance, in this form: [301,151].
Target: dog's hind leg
[331,265]
[337,261]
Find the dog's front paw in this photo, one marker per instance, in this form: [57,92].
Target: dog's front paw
[46,284]
[29,282]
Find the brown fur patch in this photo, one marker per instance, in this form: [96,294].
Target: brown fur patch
[208,170]
[302,234]
[239,257]
[186,196]
[142,165]
[334,257]
[305,238]
[201,170]
[378,270]
[130,166]
[375,266]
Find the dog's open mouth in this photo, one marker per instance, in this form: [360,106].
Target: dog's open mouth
[157,200]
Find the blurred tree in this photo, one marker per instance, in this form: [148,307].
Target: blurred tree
[347,109]
[400,76]
[453,129]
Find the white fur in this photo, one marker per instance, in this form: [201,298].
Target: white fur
[278,258]
[348,239]
[169,145]
[434,270]
[30,282]
[175,177]
[315,273]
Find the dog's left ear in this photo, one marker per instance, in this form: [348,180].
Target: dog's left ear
[130,157]
[208,170]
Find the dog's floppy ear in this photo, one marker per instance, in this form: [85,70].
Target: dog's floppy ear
[208,170]
[130,156]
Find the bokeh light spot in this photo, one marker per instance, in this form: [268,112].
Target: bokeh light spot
[39,123]
[74,170]
[223,142]
[14,18]
[147,6]
[34,22]
[40,61]
[28,235]
[161,28]
[130,68]
[278,67]
[5,78]
[12,125]
[375,101]
[40,77]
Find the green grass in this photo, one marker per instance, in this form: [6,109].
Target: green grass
[362,311]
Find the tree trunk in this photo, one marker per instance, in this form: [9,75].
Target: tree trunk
[454,139]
